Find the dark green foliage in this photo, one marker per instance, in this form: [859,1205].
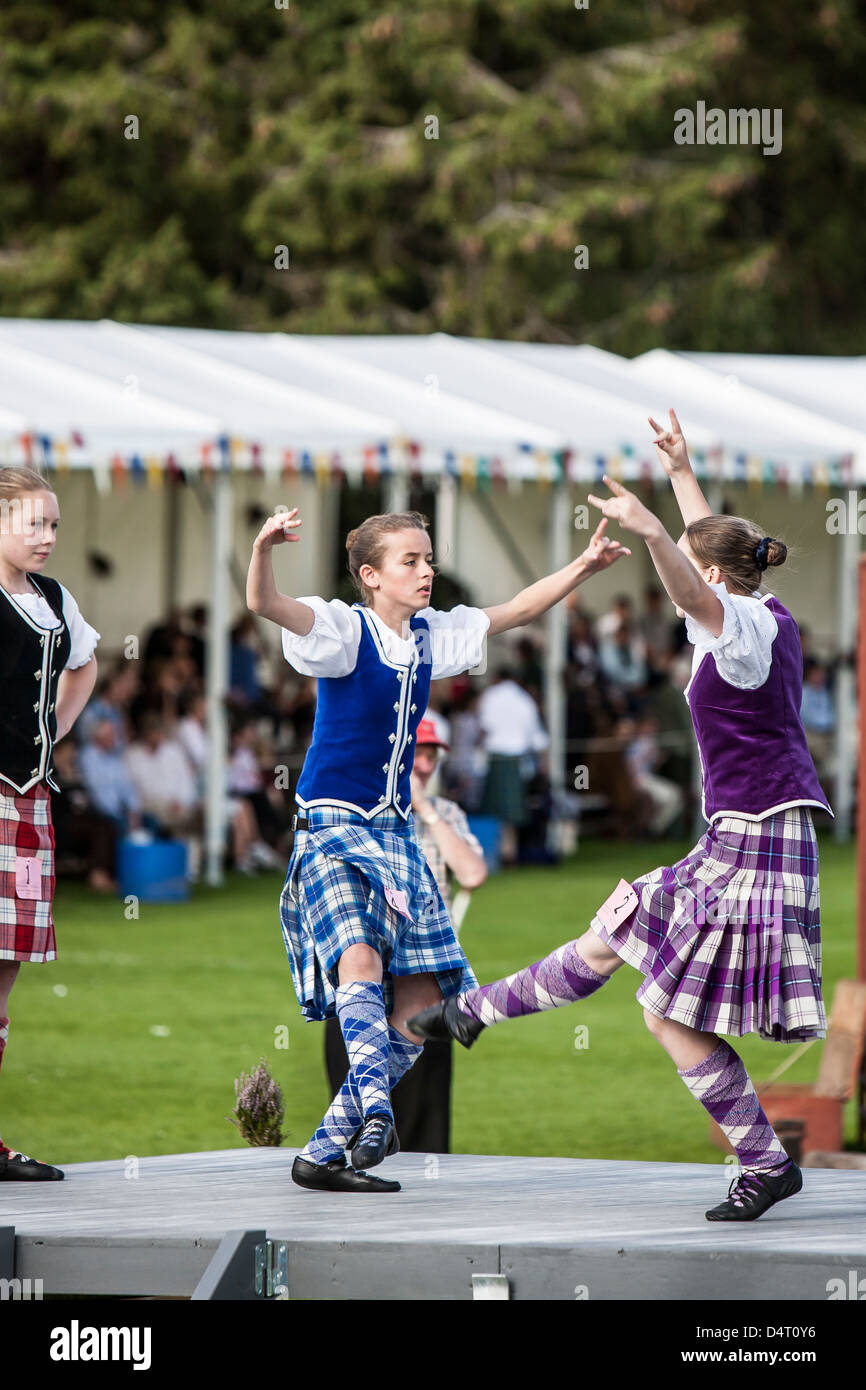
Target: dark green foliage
[305,127]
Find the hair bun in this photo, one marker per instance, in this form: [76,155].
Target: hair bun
[350,539]
[777,553]
[770,552]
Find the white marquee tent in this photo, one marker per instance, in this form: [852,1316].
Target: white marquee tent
[142,401]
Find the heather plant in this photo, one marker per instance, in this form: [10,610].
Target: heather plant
[259,1110]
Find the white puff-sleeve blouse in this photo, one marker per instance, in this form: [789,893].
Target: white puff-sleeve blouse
[330,648]
[82,636]
[743,650]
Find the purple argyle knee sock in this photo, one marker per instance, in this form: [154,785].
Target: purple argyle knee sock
[721,1083]
[561,978]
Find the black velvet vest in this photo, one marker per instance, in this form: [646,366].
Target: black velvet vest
[31,659]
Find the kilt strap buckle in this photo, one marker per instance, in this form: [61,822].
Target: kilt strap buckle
[300,823]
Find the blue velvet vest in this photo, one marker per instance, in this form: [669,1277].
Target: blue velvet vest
[363,743]
[754,755]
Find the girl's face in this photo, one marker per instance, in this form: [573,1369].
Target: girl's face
[406,573]
[28,529]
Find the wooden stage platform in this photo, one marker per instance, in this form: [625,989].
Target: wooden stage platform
[547,1228]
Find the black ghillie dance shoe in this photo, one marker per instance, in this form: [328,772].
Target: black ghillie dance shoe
[754,1192]
[337,1176]
[446,1021]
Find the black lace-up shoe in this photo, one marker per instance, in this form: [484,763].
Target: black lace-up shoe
[754,1192]
[337,1176]
[446,1021]
[375,1142]
[19,1168]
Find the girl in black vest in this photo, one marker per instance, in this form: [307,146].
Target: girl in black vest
[47,673]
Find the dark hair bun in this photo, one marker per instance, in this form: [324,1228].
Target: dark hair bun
[776,553]
[351,538]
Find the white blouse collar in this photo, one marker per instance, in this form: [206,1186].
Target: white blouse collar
[397,648]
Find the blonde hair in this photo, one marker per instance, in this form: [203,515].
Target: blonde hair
[14,482]
[366,543]
[732,543]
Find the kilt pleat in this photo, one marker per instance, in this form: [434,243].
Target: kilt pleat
[729,939]
[334,896]
[26,924]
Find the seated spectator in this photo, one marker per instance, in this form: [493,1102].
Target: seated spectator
[247,784]
[111,700]
[656,629]
[166,786]
[619,615]
[85,839]
[106,777]
[623,665]
[245,688]
[191,733]
[666,799]
[464,769]
[818,713]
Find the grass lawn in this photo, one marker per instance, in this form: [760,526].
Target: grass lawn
[130,1042]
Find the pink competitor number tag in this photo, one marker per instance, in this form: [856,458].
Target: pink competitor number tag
[28,876]
[397,900]
[621,903]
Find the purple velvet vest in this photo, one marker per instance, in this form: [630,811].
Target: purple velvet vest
[754,756]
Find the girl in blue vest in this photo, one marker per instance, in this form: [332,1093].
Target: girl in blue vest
[47,673]
[728,940]
[367,934]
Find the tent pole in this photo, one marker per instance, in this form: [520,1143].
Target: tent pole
[845,696]
[446,522]
[216,674]
[397,492]
[554,661]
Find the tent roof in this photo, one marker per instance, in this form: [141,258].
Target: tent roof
[116,396]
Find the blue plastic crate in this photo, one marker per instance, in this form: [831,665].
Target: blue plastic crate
[488,831]
[154,872]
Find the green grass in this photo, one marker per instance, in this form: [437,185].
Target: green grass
[84,1076]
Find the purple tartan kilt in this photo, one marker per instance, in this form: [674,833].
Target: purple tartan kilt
[729,939]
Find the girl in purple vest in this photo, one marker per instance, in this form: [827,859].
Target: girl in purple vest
[366,931]
[47,673]
[728,939]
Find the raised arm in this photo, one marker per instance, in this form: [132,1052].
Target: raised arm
[674,459]
[263,597]
[684,584]
[531,602]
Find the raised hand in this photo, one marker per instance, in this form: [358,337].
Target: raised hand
[627,509]
[670,445]
[278,528]
[602,551]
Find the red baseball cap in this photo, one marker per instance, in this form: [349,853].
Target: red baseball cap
[427,734]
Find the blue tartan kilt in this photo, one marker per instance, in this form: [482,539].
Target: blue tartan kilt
[334,897]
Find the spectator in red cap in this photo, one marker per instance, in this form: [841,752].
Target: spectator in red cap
[422,1100]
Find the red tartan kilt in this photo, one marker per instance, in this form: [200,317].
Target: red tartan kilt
[26,924]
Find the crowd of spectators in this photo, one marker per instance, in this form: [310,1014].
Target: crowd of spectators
[135,762]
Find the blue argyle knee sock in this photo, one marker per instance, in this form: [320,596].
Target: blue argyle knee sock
[343,1118]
